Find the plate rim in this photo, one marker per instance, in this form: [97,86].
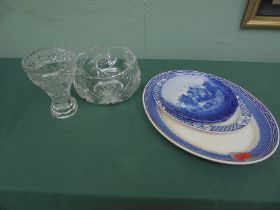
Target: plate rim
[204,156]
[169,75]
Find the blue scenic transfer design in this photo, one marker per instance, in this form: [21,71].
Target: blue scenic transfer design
[197,97]
[241,122]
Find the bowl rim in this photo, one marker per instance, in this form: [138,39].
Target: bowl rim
[92,51]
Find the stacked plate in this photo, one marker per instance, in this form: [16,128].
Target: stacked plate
[210,117]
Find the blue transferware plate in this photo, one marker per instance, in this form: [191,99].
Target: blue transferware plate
[230,148]
[197,97]
[237,124]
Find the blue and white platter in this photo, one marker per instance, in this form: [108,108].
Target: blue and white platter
[255,142]
[184,92]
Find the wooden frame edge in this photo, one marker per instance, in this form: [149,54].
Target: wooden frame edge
[250,20]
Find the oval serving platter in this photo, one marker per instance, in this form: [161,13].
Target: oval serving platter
[252,144]
[239,119]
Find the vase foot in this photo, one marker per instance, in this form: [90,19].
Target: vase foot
[68,110]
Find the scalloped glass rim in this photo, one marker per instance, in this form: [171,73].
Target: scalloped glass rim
[92,51]
[28,59]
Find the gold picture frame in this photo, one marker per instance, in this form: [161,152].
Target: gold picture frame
[252,20]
